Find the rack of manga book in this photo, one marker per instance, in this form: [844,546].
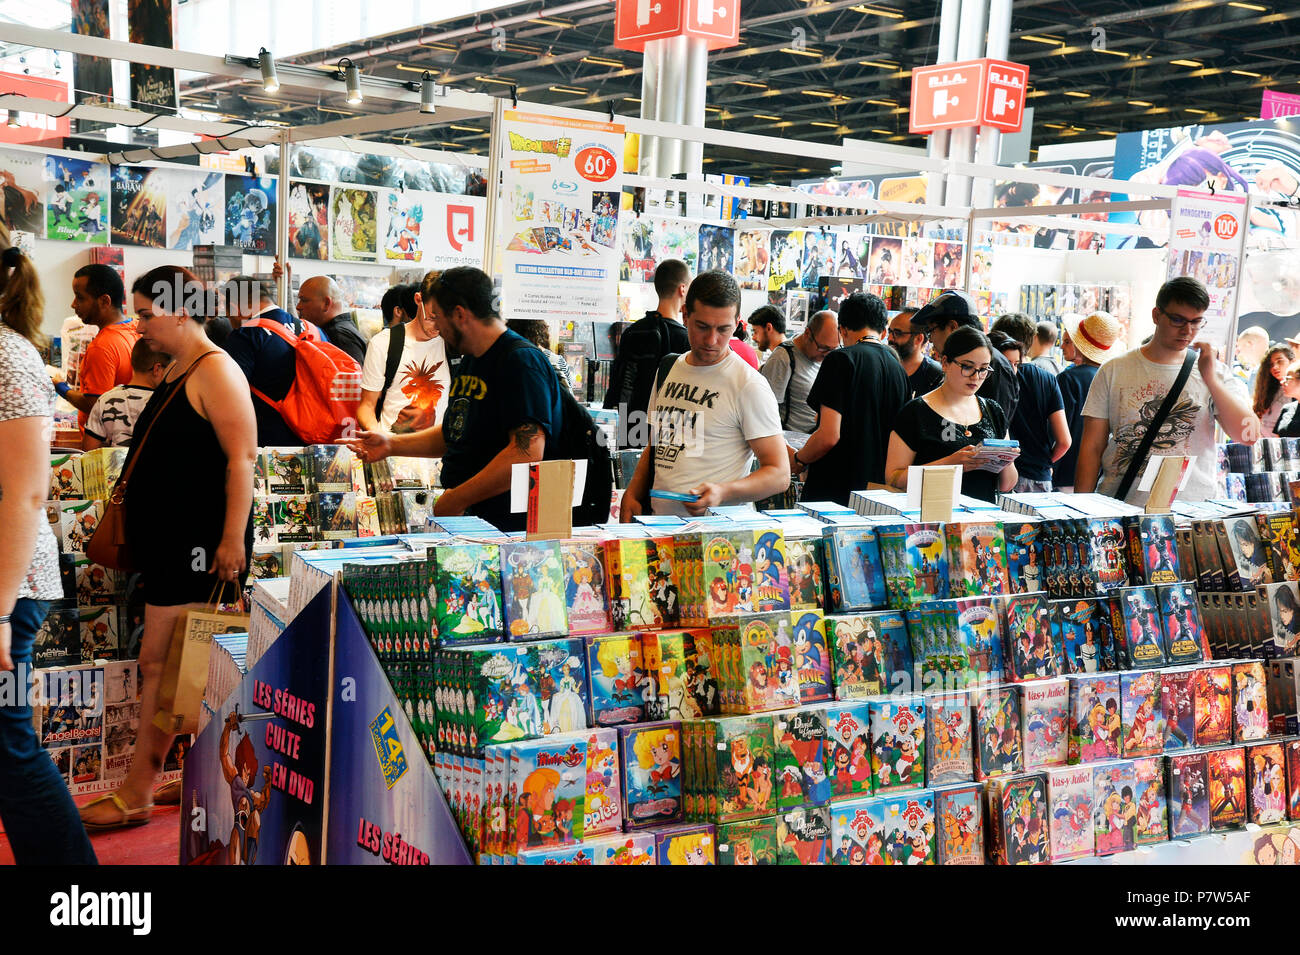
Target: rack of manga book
[1263,472]
[1037,682]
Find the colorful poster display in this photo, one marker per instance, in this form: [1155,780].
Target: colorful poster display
[309,217]
[561,180]
[1204,242]
[353,228]
[401,217]
[140,206]
[250,213]
[22,177]
[92,76]
[77,195]
[196,205]
[787,260]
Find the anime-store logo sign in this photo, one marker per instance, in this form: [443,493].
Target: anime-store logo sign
[460,226]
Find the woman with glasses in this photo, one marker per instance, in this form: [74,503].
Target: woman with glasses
[945,426]
[1270,397]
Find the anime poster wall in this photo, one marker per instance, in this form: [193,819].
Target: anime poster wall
[1205,237]
[854,258]
[250,213]
[196,209]
[559,219]
[948,264]
[786,270]
[678,239]
[139,212]
[717,248]
[254,784]
[22,177]
[886,264]
[918,259]
[77,197]
[638,261]
[309,216]
[752,258]
[385,804]
[820,249]
[353,227]
[401,217]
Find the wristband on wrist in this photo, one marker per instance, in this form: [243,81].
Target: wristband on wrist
[802,464]
[62,388]
[4,618]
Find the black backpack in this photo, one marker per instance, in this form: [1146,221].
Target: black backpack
[580,439]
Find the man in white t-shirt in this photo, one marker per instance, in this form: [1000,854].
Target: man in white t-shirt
[711,415]
[1128,391]
[411,384]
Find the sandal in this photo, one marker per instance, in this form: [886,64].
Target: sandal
[127,817]
[168,794]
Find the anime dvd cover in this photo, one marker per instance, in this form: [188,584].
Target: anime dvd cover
[1069,791]
[1156,558]
[651,768]
[100,629]
[804,559]
[767,659]
[959,825]
[632,848]
[812,658]
[1278,532]
[1266,774]
[548,806]
[978,558]
[1246,557]
[678,666]
[800,753]
[948,736]
[618,679]
[1178,698]
[1044,712]
[744,759]
[1018,814]
[1226,772]
[1104,553]
[1084,633]
[336,514]
[1142,713]
[910,829]
[925,565]
[287,470]
[467,587]
[640,573]
[1213,701]
[586,600]
[997,729]
[748,842]
[1250,701]
[330,467]
[1189,806]
[848,750]
[1138,629]
[856,569]
[1293,779]
[974,647]
[1024,560]
[897,743]
[1149,793]
[533,584]
[1283,603]
[803,836]
[1031,652]
[872,652]
[295,520]
[686,845]
[858,832]
[1184,632]
[1114,807]
[561,684]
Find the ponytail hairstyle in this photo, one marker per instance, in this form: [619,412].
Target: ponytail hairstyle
[22,305]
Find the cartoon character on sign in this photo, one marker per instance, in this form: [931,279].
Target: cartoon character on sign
[460,226]
[239,773]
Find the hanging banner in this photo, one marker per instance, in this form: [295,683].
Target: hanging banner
[92,76]
[561,180]
[150,22]
[1204,242]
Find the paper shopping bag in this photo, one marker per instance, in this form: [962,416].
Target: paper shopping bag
[185,675]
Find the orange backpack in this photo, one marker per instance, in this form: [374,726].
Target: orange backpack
[326,387]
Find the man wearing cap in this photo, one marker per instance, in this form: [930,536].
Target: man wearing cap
[943,315]
[1092,340]
[1129,391]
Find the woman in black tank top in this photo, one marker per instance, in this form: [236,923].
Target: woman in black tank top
[188,504]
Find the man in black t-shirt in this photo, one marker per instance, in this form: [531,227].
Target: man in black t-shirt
[1039,423]
[641,347]
[924,374]
[946,313]
[857,395]
[504,405]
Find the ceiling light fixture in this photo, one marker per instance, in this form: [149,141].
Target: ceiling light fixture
[571,90]
[1139,102]
[813,53]
[1194,64]
[12,120]
[1041,39]
[817,122]
[757,86]
[602,61]
[270,81]
[774,119]
[1247,6]
[877,11]
[878,64]
[1079,94]
[428,89]
[1244,73]
[821,93]
[351,76]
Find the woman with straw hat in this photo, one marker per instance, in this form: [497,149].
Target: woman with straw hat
[1093,339]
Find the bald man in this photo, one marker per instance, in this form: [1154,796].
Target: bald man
[1252,344]
[792,368]
[321,302]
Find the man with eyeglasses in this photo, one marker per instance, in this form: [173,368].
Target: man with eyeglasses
[857,394]
[793,366]
[1128,391]
[924,374]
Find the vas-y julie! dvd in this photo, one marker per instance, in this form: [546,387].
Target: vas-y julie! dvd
[1189,795]
[1266,774]
[1044,712]
[897,743]
[1069,790]
[959,825]
[1142,713]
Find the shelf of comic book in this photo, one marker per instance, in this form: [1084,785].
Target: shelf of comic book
[811,685]
[1049,303]
[1262,472]
[86,676]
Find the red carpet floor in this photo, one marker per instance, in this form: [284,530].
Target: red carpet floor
[155,843]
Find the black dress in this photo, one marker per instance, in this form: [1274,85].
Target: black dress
[176,502]
[933,437]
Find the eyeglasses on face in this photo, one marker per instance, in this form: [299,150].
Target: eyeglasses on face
[901,333]
[969,370]
[1178,321]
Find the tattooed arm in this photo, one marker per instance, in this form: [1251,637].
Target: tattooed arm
[526,443]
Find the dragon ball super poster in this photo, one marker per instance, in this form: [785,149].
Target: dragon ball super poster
[400,220]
